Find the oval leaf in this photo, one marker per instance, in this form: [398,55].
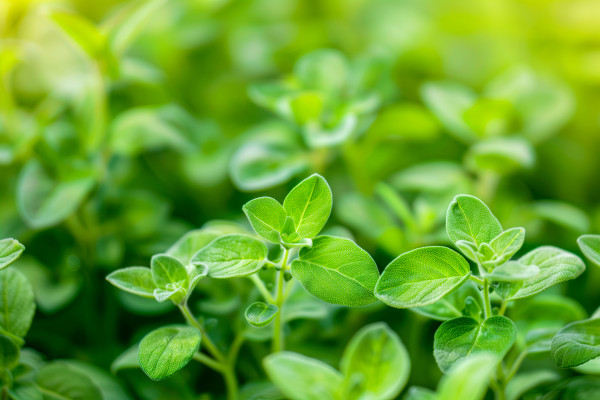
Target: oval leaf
[166,350]
[10,250]
[136,280]
[377,359]
[309,204]
[506,244]
[338,271]
[267,217]
[421,276]
[576,343]
[461,337]
[590,246]
[16,303]
[302,378]
[469,219]
[58,380]
[232,256]
[259,314]
[168,272]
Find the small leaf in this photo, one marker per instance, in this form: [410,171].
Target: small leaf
[555,266]
[232,256]
[500,154]
[451,305]
[259,314]
[309,204]
[176,295]
[185,248]
[168,272]
[267,217]
[10,250]
[338,271]
[136,280]
[377,359]
[58,380]
[16,303]
[462,337]
[590,246]
[576,343]
[196,272]
[166,350]
[421,276]
[468,218]
[9,353]
[506,244]
[468,379]
[303,378]
[513,271]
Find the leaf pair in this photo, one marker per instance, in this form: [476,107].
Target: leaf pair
[167,278]
[304,212]
[375,364]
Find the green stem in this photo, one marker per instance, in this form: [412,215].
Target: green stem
[230,382]
[516,365]
[260,285]
[503,307]
[476,279]
[210,346]
[208,361]
[486,299]
[278,344]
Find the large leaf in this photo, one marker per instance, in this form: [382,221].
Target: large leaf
[468,379]
[337,270]
[166,350]
[58,380]
[136,280]
[232,256]
[10,250]
[421,276]
[16,303]
[309,204]
[375,363]
[462,337]
[267,217]
[590,246]
[43,201]
[469,219]
[577,343]
[555,266]
[303,378]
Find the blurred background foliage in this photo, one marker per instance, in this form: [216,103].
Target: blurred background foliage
[125,124]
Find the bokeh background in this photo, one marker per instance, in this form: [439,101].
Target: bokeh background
[125,124]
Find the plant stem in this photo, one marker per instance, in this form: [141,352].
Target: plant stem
[210,346]
[516,365]
[278,344]
[208,361]
[486,299]
[230,382]
[503,307]
[476,279]
[260,285]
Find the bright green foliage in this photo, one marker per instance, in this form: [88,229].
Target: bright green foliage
[590,246]
[460,337]
[468,380]
[337,271]
[469,219]
[267,217]
[513,271]
[309,205]
[259,314]
[375,364]
[232,256]
[170,277]
[555,266]
[421,277]
[506,244]
[166,350]
[522,382]
[16,303]
[303,378]
[136,280]
[577,343]
[10,250]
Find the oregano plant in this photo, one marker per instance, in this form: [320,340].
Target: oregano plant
[287,242]
[475,300]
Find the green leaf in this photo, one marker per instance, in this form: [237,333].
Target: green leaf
[232,256]
[462,337]
[10,250]
[590,246]
[9,352]
[309,204]
[577,343]
[513,271]
[185,248]
[323,69]
[110,387]
[419,393]
[555,265]
[506,244]
[501,155]
[562,214]
[451,305]
[337,270]
[468,379]
[58,380]
[43,201]
[126,360]
[303,378]
[136,280]
[525,381]
[168,272]
[267,217]
[16,303]
[378,361]
[469,219]
[81,31]
[166,350]
[259,314]
[421,276]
